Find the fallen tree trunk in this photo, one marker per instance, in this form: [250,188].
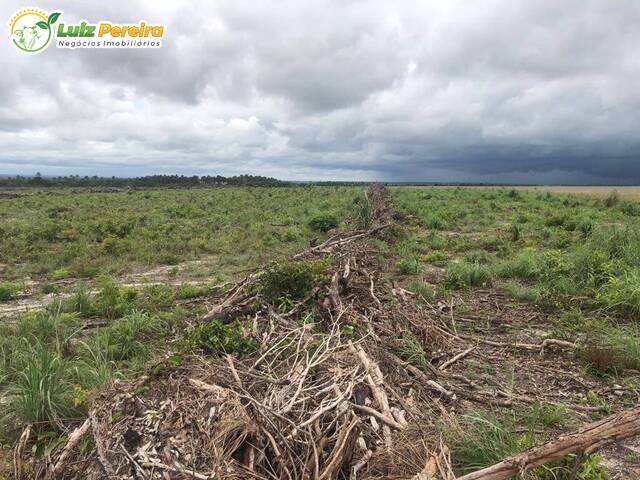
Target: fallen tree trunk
[583,442]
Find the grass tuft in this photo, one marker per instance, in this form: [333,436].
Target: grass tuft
[467,274]
[9,291]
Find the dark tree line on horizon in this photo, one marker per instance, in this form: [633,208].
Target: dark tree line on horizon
[147,181]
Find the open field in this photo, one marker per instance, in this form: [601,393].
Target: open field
[59,234]
[521,306]
[630,193]
[625,192]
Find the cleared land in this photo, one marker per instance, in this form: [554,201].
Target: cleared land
[498,318]
[631,193]
[625,192]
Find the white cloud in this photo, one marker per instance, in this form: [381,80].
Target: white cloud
[440,90]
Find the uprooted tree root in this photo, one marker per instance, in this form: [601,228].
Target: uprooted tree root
[323,399]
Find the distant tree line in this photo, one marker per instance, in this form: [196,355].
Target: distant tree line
[149,181]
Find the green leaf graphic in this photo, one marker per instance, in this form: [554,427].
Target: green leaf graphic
[42,24]
[53,17]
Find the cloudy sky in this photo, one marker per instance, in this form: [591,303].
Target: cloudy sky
[439,90]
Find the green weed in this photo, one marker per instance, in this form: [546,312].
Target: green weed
[218,338]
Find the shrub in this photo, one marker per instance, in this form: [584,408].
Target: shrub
[612,199]
[514,194]
[217,337]
[8,291]
[292,279]
[323,222]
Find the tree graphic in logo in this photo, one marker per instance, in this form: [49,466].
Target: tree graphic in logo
[30,29]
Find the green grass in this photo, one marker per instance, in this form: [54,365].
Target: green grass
[50,366]
[293,280]
[9,291]
[481,440]
[609,348]
[84,233]
[410,350]
[424,291]
[621,293]
[219,338]
[467,274]
[323,222]
[556,250]
[521,292]
[578,256]
[41,394]
[130,336]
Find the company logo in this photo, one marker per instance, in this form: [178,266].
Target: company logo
[32,30]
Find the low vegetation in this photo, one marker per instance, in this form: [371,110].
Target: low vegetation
[577,259]
[63,233]
[480,440]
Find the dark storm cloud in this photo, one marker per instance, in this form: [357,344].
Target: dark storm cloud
[443,90]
